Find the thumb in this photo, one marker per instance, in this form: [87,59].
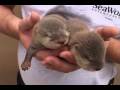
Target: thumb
[107,31]
[28,22]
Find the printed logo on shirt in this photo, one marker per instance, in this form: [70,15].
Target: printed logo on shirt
[108,11]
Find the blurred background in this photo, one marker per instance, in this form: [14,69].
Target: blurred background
[8,58]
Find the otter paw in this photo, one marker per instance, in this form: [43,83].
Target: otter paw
[25,65]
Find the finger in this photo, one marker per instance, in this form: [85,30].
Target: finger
[29,22]
[34,17]
[113,50]
[68,56]
[107,31]
[42,54]
[57,64]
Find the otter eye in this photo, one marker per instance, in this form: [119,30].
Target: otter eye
[76,47]
[86,56]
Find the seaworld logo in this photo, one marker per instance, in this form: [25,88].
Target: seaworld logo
[106,10]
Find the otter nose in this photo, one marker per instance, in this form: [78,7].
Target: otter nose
[61,42]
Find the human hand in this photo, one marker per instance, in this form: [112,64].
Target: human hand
[112,45]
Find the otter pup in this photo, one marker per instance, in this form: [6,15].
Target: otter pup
[87,46]
[50,32]
[88,49]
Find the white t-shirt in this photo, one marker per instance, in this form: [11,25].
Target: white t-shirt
[39,75]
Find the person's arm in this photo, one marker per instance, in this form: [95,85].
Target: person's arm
[8,21]
[12,25]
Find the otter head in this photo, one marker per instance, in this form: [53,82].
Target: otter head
[53,29]
[89,50]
